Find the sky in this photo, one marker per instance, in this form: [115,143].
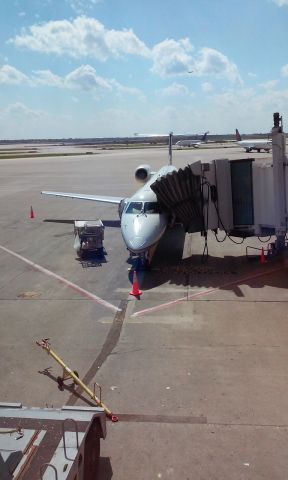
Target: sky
[110,68]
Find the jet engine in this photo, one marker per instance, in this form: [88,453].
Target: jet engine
[143,173]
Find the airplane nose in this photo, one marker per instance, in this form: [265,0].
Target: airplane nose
[136,233]
[142,231]
[136,243]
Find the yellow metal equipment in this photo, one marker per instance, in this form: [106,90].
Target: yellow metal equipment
[68,373]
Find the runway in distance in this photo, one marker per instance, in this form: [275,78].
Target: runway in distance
[142,220]
[192,143]
[253,144]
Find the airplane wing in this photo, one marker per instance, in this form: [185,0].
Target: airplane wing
[80,196]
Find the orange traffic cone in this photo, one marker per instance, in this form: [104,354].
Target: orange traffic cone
[262,258]
[32,213]
[135,287]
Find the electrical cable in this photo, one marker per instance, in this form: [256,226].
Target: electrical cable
[220,241]
[205,253]
[264,241]
[221,223]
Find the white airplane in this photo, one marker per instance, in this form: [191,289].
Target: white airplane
[254,144]
[142,220]
[192,143]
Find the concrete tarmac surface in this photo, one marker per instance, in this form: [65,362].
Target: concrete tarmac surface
[196,369]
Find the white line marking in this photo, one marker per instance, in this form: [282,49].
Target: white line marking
[206,292]
[69,284]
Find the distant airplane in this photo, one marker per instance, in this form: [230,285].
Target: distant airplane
[254,144]
[192,143]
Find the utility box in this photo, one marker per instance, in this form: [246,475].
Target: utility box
[89,236]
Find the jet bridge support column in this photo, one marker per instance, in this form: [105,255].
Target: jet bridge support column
[279,181]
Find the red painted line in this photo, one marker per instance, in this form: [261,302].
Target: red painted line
[63,280]
[240,281]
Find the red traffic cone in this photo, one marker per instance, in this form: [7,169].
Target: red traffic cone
[262,258]
[135,287]
[32,213]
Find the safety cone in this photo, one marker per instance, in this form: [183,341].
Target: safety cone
[32,213]
[262,257]
[135,287]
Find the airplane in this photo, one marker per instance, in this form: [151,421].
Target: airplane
[192,143]
[253,144]
[143,222]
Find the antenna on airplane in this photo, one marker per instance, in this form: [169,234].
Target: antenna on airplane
[170,147]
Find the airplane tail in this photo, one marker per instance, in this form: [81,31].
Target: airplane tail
[204,137]
[238,136]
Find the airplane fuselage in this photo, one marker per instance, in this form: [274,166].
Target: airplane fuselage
[143,222]
[257,145]
[188,143]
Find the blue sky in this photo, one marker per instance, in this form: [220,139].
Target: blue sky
[101,68]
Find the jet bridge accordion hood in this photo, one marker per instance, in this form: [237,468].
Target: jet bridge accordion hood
[180,193]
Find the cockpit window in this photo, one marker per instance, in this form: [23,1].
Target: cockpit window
[152,207]
[134,207]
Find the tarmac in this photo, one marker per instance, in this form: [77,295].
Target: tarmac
[195,369]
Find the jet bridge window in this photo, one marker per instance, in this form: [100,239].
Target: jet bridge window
[152,207]
[134,207]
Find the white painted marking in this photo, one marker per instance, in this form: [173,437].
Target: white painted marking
[240,281]
[63,280]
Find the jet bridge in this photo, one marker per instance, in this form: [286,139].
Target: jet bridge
[180,193]
[244,197]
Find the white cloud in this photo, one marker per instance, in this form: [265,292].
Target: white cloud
[122,89]
[85,78]
[80,37]
[82,6]
[46,77]
[87,37]
[269,85]
[175,90]
[284,70]
[231,106]
[172,58]
[207,87]
[11,76]
[19,109]
[280,3]
[212,62]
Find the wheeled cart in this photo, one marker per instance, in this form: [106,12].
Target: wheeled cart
[89,236]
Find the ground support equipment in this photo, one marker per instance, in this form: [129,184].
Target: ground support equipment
[49,443]
[68,373]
